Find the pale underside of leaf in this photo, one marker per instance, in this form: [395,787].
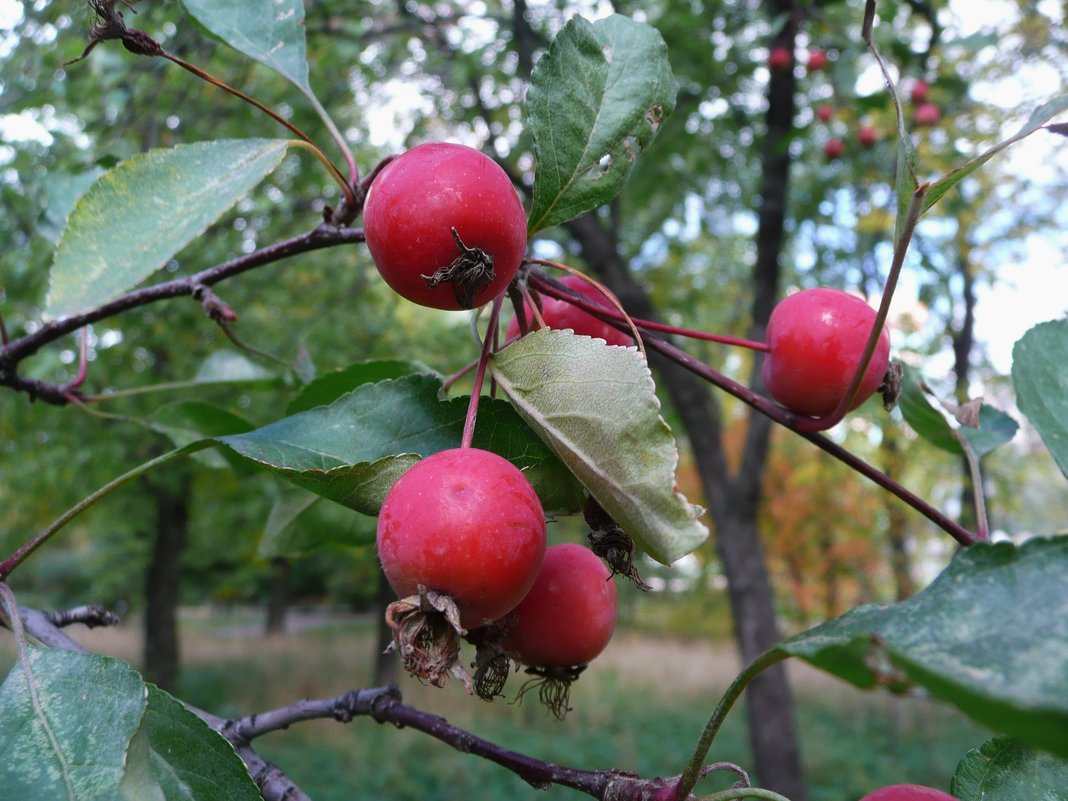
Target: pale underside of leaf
[596,408]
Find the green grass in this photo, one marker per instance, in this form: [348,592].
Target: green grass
[641,708]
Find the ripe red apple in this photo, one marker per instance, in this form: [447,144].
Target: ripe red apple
[815,339]
[834,148]
[825,112]
[919,91]
[817,60]
[867,136]
[907,792]
[560,314]
[780,59]
[927,114]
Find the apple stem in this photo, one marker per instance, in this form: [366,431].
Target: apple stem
[480,373]
[560,292]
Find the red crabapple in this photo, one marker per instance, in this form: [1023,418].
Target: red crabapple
[919,92]
[815,339]
[444,226]
[780,59]
[867,136]
[927,114]
[560,314]
[817,60]
[907,792]
[825,113]
[465,523]
[834,148]
[564,622]
[569,614]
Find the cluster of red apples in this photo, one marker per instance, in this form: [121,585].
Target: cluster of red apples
[461,534]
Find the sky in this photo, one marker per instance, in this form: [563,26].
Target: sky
[1031,287]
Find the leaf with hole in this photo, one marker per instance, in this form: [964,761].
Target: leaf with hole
[596,407]
[988,636]
[596,100]
[137,216]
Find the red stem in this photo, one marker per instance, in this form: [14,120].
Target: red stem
[763,405]
[480,374]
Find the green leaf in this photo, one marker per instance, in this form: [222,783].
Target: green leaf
[270,31]
[596,408]
[995,427]
[65,722]
[1041,382]
[327,388]
[1004,770]
[231,367]
[595,102]
[63,190]
[322,523]
[970,639]
[1043,114]
[140,214]
[176,756]
[187,422]
[353,450]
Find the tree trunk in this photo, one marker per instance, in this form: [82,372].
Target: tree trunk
[897,533]
[733,504]
[277,596]
[963,339]
[387,666]
[163,579]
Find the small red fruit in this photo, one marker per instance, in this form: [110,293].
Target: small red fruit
[569,614]
[927,114]
[834,148]
[867,136]
[560,314]
[444,226]
[825,113]
[907,792]
[466,523]
[919,91]
[817,60]
[780,59]
[815,339]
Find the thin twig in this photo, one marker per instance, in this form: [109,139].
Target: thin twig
[322,236]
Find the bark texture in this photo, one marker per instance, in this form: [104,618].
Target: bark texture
[163,578]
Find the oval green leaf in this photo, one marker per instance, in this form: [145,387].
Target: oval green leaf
[1004,770]
[1041,381]
[988,636]
[141,213]
[353,450]
[66,720]
[596,408]
[596,100]
[270,31]
[176,756]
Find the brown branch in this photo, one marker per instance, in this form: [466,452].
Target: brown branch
[13,352]
[384,705]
